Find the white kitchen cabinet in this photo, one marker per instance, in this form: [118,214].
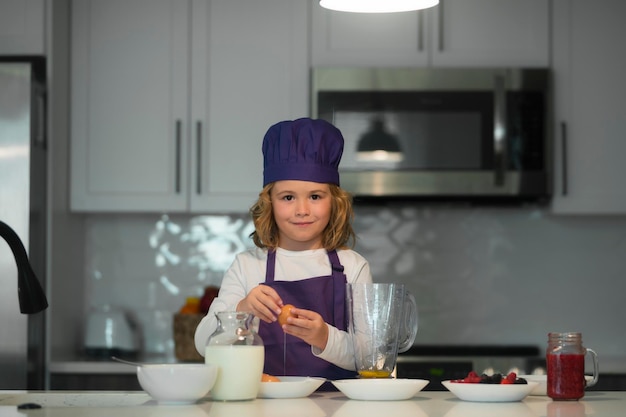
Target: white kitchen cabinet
[472,33]
[171,99]
[590,118]
[129,107]
[249,71]
[22,27]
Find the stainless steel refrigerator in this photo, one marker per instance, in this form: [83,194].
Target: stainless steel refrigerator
[23,176]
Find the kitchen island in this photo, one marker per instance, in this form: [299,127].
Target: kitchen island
[335,404]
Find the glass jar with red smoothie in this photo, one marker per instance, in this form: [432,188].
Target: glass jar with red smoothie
[565,360]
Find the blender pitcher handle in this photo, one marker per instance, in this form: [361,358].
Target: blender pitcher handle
[409,324]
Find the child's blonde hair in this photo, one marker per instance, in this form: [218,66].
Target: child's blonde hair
[337,235]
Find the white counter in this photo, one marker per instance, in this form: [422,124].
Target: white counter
[335,404]
[62,364]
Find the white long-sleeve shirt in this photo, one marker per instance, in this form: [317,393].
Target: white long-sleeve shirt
[248,271]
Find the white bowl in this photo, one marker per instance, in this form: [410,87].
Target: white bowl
[177,383]
[490,392]
[542,380]
[380,389]
[290,387]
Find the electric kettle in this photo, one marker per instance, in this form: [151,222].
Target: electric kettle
[109,332]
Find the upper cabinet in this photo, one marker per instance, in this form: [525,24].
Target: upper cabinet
[22,27]
[590,117]
[171,99]
[456,33]
[129,105]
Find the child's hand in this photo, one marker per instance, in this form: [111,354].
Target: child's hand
[308,326]
[264,302]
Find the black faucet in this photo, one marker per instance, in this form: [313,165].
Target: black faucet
[31,295]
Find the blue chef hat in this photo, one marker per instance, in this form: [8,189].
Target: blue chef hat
[303,149]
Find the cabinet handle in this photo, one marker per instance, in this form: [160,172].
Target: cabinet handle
[420,31]
[564,158]
[499,129]
[199,157]
[40,126]
[178,154]
[440,11]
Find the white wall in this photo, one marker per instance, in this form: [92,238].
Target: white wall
[480,275]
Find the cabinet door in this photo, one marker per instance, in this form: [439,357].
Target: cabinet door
[455,33]
[369,39]
[22,27]
[249,71]
[491,33]
[129,105]
[589,68]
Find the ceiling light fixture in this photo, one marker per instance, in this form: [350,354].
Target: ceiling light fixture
[377,6]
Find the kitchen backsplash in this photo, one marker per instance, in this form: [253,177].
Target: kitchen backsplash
[480,275]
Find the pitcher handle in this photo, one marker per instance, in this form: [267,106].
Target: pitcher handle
[409,325]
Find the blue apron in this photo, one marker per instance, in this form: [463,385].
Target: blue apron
[325,295]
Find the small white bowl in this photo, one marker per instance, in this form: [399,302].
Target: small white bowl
[177,383]
[380,389]
[290,387]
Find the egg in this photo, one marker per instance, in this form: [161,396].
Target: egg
[284,314]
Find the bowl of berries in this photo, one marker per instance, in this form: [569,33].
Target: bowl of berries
[490,388]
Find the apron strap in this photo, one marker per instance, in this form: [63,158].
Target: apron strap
[335,264]
[339,282]
[270,265]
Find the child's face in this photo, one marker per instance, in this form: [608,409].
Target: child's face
[301,211]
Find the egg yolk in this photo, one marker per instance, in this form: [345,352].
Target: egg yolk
[269,378]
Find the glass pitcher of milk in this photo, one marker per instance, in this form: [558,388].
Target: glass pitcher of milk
[238,352]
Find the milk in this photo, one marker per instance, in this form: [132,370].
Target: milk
[240,370]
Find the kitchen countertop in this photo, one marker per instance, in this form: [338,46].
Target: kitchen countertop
[80,364]
[335,404]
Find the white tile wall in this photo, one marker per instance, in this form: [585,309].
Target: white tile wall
[480,275]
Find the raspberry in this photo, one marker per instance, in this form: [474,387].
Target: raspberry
[510,378]
[473,378]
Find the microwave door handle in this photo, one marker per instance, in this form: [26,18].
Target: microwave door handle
[564,159]
[499,130]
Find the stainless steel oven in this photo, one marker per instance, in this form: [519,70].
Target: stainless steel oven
[439,133]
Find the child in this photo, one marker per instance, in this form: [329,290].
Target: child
[302,228]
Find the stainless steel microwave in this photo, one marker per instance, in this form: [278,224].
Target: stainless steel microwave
[445,133]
